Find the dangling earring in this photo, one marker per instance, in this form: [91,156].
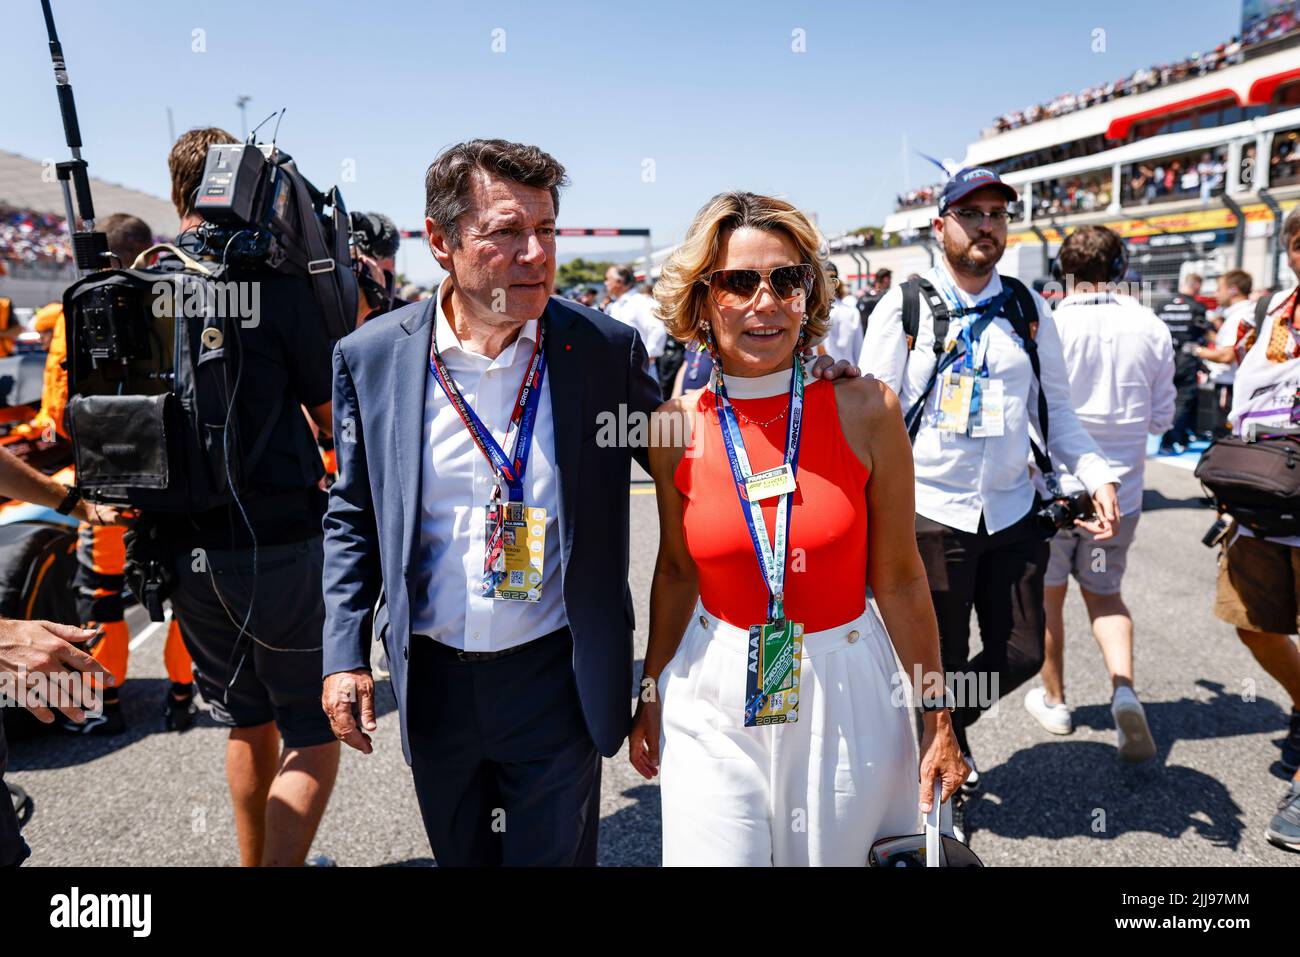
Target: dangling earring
[803,336]
[706,332]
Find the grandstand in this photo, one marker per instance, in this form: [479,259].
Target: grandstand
[36,273]
[1195,173]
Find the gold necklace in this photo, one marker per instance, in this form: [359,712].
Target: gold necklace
[761,425]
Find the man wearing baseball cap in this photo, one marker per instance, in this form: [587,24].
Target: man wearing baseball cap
[960,346]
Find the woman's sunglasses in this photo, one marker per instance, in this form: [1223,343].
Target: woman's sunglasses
[738,287]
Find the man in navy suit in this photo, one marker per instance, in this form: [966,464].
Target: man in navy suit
[499,566]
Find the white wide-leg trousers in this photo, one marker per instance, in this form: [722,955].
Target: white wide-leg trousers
[816,792]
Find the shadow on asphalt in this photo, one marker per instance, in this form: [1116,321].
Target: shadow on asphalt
[631,837]
[1061,789]
[36,747]
[1153,501]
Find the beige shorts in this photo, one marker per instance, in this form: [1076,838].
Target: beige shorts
[1096,566]
[1259,586]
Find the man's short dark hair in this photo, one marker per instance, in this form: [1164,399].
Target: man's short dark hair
[447,182]
[1290,226]
[1239,280]
[1089,254]
[188,156]
[626,274]
[128,236]
[883,273]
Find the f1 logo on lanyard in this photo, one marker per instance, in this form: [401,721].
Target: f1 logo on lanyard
[514,538]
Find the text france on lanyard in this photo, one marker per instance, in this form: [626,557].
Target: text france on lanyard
[522,417]
[771,557]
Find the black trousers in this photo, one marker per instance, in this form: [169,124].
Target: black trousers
[1001,576]
[13,849]
[1186,390]
[505,770]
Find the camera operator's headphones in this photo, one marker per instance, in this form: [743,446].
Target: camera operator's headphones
[1118,264]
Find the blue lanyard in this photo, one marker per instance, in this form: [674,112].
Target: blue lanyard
[771,557]
[973,331]
[522,417]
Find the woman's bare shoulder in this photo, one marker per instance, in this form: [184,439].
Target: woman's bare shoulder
[866,398]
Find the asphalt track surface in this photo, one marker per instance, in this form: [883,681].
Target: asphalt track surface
[148,797]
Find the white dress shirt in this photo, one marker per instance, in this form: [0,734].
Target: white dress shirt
[456,482]
[844,340]
[638,310]
[1119,361]
[958,478]
[1229,329]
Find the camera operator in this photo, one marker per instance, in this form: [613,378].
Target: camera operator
[1119,362]
[977,523]
[376,240]
[247,591]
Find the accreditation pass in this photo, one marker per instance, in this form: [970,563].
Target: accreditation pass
[524,551]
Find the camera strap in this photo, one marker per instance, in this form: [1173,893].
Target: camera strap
[1022,308]
[189,262]
[327,272]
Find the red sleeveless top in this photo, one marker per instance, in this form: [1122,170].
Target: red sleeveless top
[826,568]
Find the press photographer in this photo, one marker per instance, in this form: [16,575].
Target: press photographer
[972,356]
[1252,474]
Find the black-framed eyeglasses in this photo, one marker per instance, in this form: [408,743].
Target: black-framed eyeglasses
[738,287]
[973,218]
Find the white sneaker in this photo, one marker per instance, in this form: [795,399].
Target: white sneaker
[972,782]
[1135,741]
[1053,717]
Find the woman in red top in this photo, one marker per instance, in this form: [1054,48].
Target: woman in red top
[786,726]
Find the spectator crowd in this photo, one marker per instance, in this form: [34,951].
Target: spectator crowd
[1141,80]
[34,238]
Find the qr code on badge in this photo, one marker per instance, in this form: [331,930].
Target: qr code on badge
[517,578]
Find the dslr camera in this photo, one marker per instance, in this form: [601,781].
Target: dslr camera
[1061,512]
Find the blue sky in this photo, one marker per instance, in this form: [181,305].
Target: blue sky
[712,94]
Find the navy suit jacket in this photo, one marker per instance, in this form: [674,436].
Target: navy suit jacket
[594,364]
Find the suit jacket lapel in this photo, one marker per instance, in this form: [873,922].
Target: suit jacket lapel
[564,372]
[409,371]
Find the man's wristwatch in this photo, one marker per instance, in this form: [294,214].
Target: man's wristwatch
[69,501]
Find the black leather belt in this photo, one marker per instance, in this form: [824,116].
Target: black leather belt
[486,655]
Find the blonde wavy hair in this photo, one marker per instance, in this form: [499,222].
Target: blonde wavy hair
[684,300]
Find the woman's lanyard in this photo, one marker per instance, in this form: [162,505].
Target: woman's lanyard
[771,557]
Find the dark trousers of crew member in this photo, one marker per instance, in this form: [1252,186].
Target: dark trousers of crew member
[1186,389]
[1000,576]
[505,770]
